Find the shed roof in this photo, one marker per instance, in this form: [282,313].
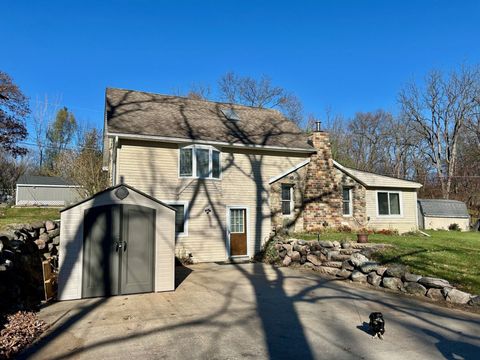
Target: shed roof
[130,112]
[377,181]
[42,180]
[113,188]
[443,208]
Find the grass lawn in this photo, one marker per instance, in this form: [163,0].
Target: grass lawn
[451,255]
[26,215]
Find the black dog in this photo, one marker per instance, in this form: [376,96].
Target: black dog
[377,324]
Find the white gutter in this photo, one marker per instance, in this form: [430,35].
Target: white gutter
[44,185]
[207,142]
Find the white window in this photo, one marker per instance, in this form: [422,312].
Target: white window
[287,199]
[237,221]
[181,216]
[199,161]
[347,201]
[388,203]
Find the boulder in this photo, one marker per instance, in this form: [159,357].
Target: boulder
[374,279]
[347,251]
[314,260]
[303,259]
[44,237]
[50,225]
[336,244]
[435,294]
[340,257]
[344,274]
[296,256]
[415,288]
[358,259]
[42,230]
[328,270]
[392,283]
[474,301]
[288,247]
[346,245]
[358,276]
[395,270]
[278,246]
[332,254]
[53,233]
[309,265]
[456,296]
[334,264]
[369,266]
[287,261]
[347,266]
[408,277]
[281,253]
[301,242]
[381,270]
[326,244]
[40,243]
[436,283]
[304,250]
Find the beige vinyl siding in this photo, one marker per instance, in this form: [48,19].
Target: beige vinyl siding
[441,223]
[153,168]
[405,222]
[71,243]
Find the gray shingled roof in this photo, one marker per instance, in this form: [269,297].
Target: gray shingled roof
[140,113]
[377,181]
[42,180]
[443,208]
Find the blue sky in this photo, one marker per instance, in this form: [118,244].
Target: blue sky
[347,55]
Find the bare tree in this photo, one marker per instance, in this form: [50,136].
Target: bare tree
[259,93]
[42,116]
[437,112]
[199,92]
[83,166]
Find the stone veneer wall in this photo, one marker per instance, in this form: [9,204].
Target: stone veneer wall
[322,195]
[295,220]
[359,203]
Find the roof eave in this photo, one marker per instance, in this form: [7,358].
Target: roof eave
[208,142]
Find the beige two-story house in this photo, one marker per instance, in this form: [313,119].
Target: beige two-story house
[235,173]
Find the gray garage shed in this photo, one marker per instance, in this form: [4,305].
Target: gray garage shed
[439,214]
[120,241]
[32,190]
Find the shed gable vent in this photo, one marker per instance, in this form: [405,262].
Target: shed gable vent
[230,114]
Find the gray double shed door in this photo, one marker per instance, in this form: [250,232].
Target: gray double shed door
[118,255]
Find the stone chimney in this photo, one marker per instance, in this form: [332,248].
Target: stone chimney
[322,196]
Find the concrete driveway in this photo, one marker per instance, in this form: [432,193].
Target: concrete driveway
[255,311]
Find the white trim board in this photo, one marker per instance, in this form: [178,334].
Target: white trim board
[42,185]
[286,172]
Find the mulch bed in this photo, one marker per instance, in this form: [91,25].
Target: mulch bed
[17,331]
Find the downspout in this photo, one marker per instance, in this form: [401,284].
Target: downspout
[114,161]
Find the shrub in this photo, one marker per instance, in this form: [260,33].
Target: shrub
[344,229]
[388,232]
[454,227]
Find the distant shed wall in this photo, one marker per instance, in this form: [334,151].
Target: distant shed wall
[46,195]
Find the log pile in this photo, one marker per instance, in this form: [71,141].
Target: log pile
[350,261]
[22,250]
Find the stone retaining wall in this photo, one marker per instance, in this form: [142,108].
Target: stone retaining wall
[350,261]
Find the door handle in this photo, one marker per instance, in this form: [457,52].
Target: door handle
[124,246]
